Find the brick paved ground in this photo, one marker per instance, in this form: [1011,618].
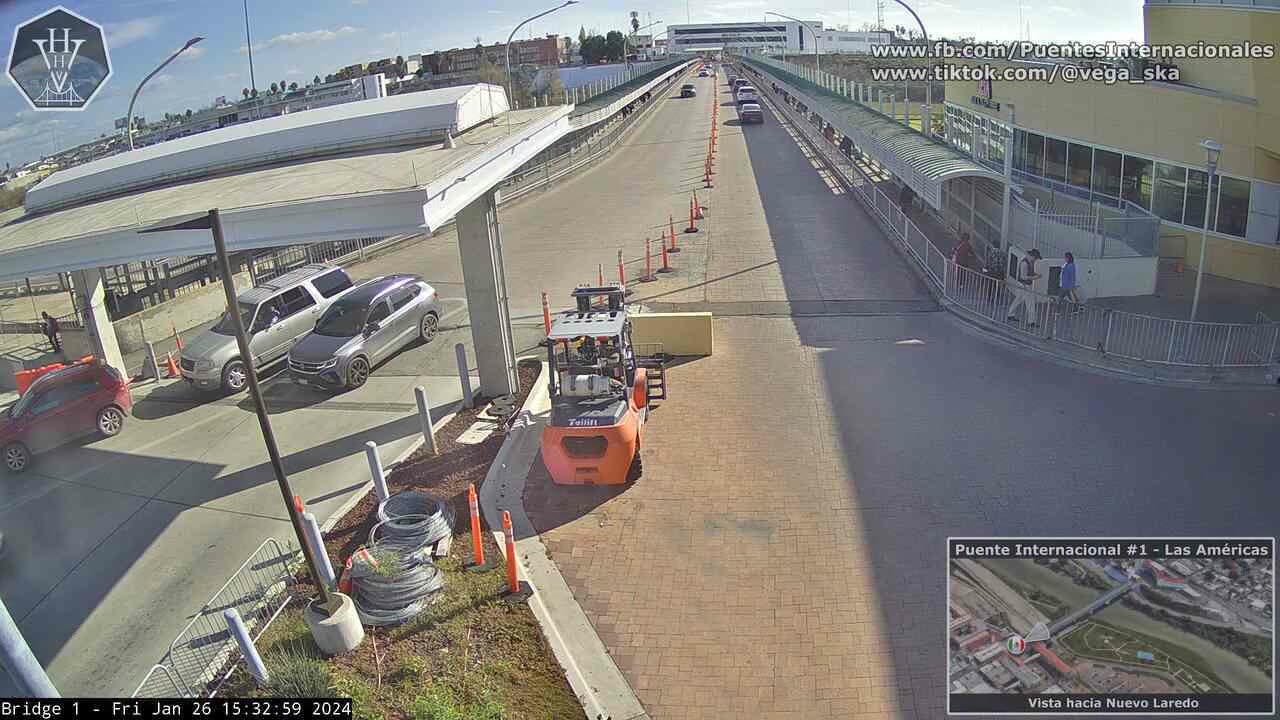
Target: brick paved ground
[734,579]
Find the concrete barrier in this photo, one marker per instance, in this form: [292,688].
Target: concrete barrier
[679,333]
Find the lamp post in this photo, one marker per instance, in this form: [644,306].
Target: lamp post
[817,61]
[1212,152]
[632,35]
[926,123]
[515,30]
[128,120]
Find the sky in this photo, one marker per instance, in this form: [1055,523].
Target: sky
[295,40]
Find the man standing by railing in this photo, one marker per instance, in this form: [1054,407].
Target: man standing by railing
[1022,293]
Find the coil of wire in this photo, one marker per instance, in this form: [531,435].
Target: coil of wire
[394,579]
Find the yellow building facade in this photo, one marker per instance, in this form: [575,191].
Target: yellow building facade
[1133,143]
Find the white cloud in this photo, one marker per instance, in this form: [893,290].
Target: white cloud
[494,12]
[298,39]
[388,35]
[192,53]
[359,2]
[123,33]
[293,72]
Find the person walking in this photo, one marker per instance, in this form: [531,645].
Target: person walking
[1070,286]
[51,331]
[1022,293]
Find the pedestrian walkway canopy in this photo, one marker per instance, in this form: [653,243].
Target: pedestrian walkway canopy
[364,169]
[923,163]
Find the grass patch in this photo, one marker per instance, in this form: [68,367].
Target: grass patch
[1169,657]
[471,655]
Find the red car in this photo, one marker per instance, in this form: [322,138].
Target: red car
[61,406]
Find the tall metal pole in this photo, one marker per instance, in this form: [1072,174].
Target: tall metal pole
[515,30]
[128,118]
[21,664]
[817,59]
[248,43]
[928,84]
[259,405]
[1008,180]
[1212,150]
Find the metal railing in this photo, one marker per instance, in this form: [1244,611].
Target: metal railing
[202,656]
[1115,333]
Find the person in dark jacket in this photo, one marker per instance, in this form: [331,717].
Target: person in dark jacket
[51,330]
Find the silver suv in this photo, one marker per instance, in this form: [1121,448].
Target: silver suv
[275,315]
[364,327]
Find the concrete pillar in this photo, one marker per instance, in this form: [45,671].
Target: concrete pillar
[480,246]
[91,299]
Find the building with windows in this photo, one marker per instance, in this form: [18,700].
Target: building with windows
[742,37]
[1136,147]
[852,41]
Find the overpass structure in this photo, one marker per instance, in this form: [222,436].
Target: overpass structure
[1063,624]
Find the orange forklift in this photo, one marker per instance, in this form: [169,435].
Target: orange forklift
[600,392]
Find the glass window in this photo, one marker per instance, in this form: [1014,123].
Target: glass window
[294,300]
[1171,185]
[1196,192]
[379,311]
[1233,205]
[1035,154]
[269,313]
[1055,159]
[1106,173]
[1135,182]
[332,283]
[405,295]
[1079,165]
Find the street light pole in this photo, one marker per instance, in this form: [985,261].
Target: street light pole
[926,124]
[128,119]
[1212,151]
[515,30]
[817,59]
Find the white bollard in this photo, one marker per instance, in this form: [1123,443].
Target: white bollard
[243,639]
[464,377]
[424,415]
[375,469]
[316,540]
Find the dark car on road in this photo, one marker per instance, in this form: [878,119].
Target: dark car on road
[62,406]
[362,328]
[688,90]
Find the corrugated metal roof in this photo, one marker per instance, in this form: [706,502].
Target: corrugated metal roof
[923,162]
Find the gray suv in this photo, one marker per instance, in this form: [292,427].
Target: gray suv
[364,327]
[275,315]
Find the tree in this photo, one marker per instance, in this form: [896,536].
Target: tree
[253,93]
[315,80]
[400,66]
[274,89]
[615,45]
[245,92]
[283,84]
[593,49]
[555,86]
[293,87]
[188,113]
[582,35]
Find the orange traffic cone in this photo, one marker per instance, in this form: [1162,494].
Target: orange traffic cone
[176,337]
[697,208]
[171,367]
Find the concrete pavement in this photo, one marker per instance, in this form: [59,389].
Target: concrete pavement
[783,555]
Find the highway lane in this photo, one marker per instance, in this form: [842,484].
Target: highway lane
[955,433]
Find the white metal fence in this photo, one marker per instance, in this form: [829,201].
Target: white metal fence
[200,657]
[1109,332]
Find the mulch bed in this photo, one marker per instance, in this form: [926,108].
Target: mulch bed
[443,477]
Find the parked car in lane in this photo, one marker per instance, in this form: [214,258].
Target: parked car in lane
[688,90]
[61,406]
[751,113]
[704,73]
[365,326]
[275,315]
